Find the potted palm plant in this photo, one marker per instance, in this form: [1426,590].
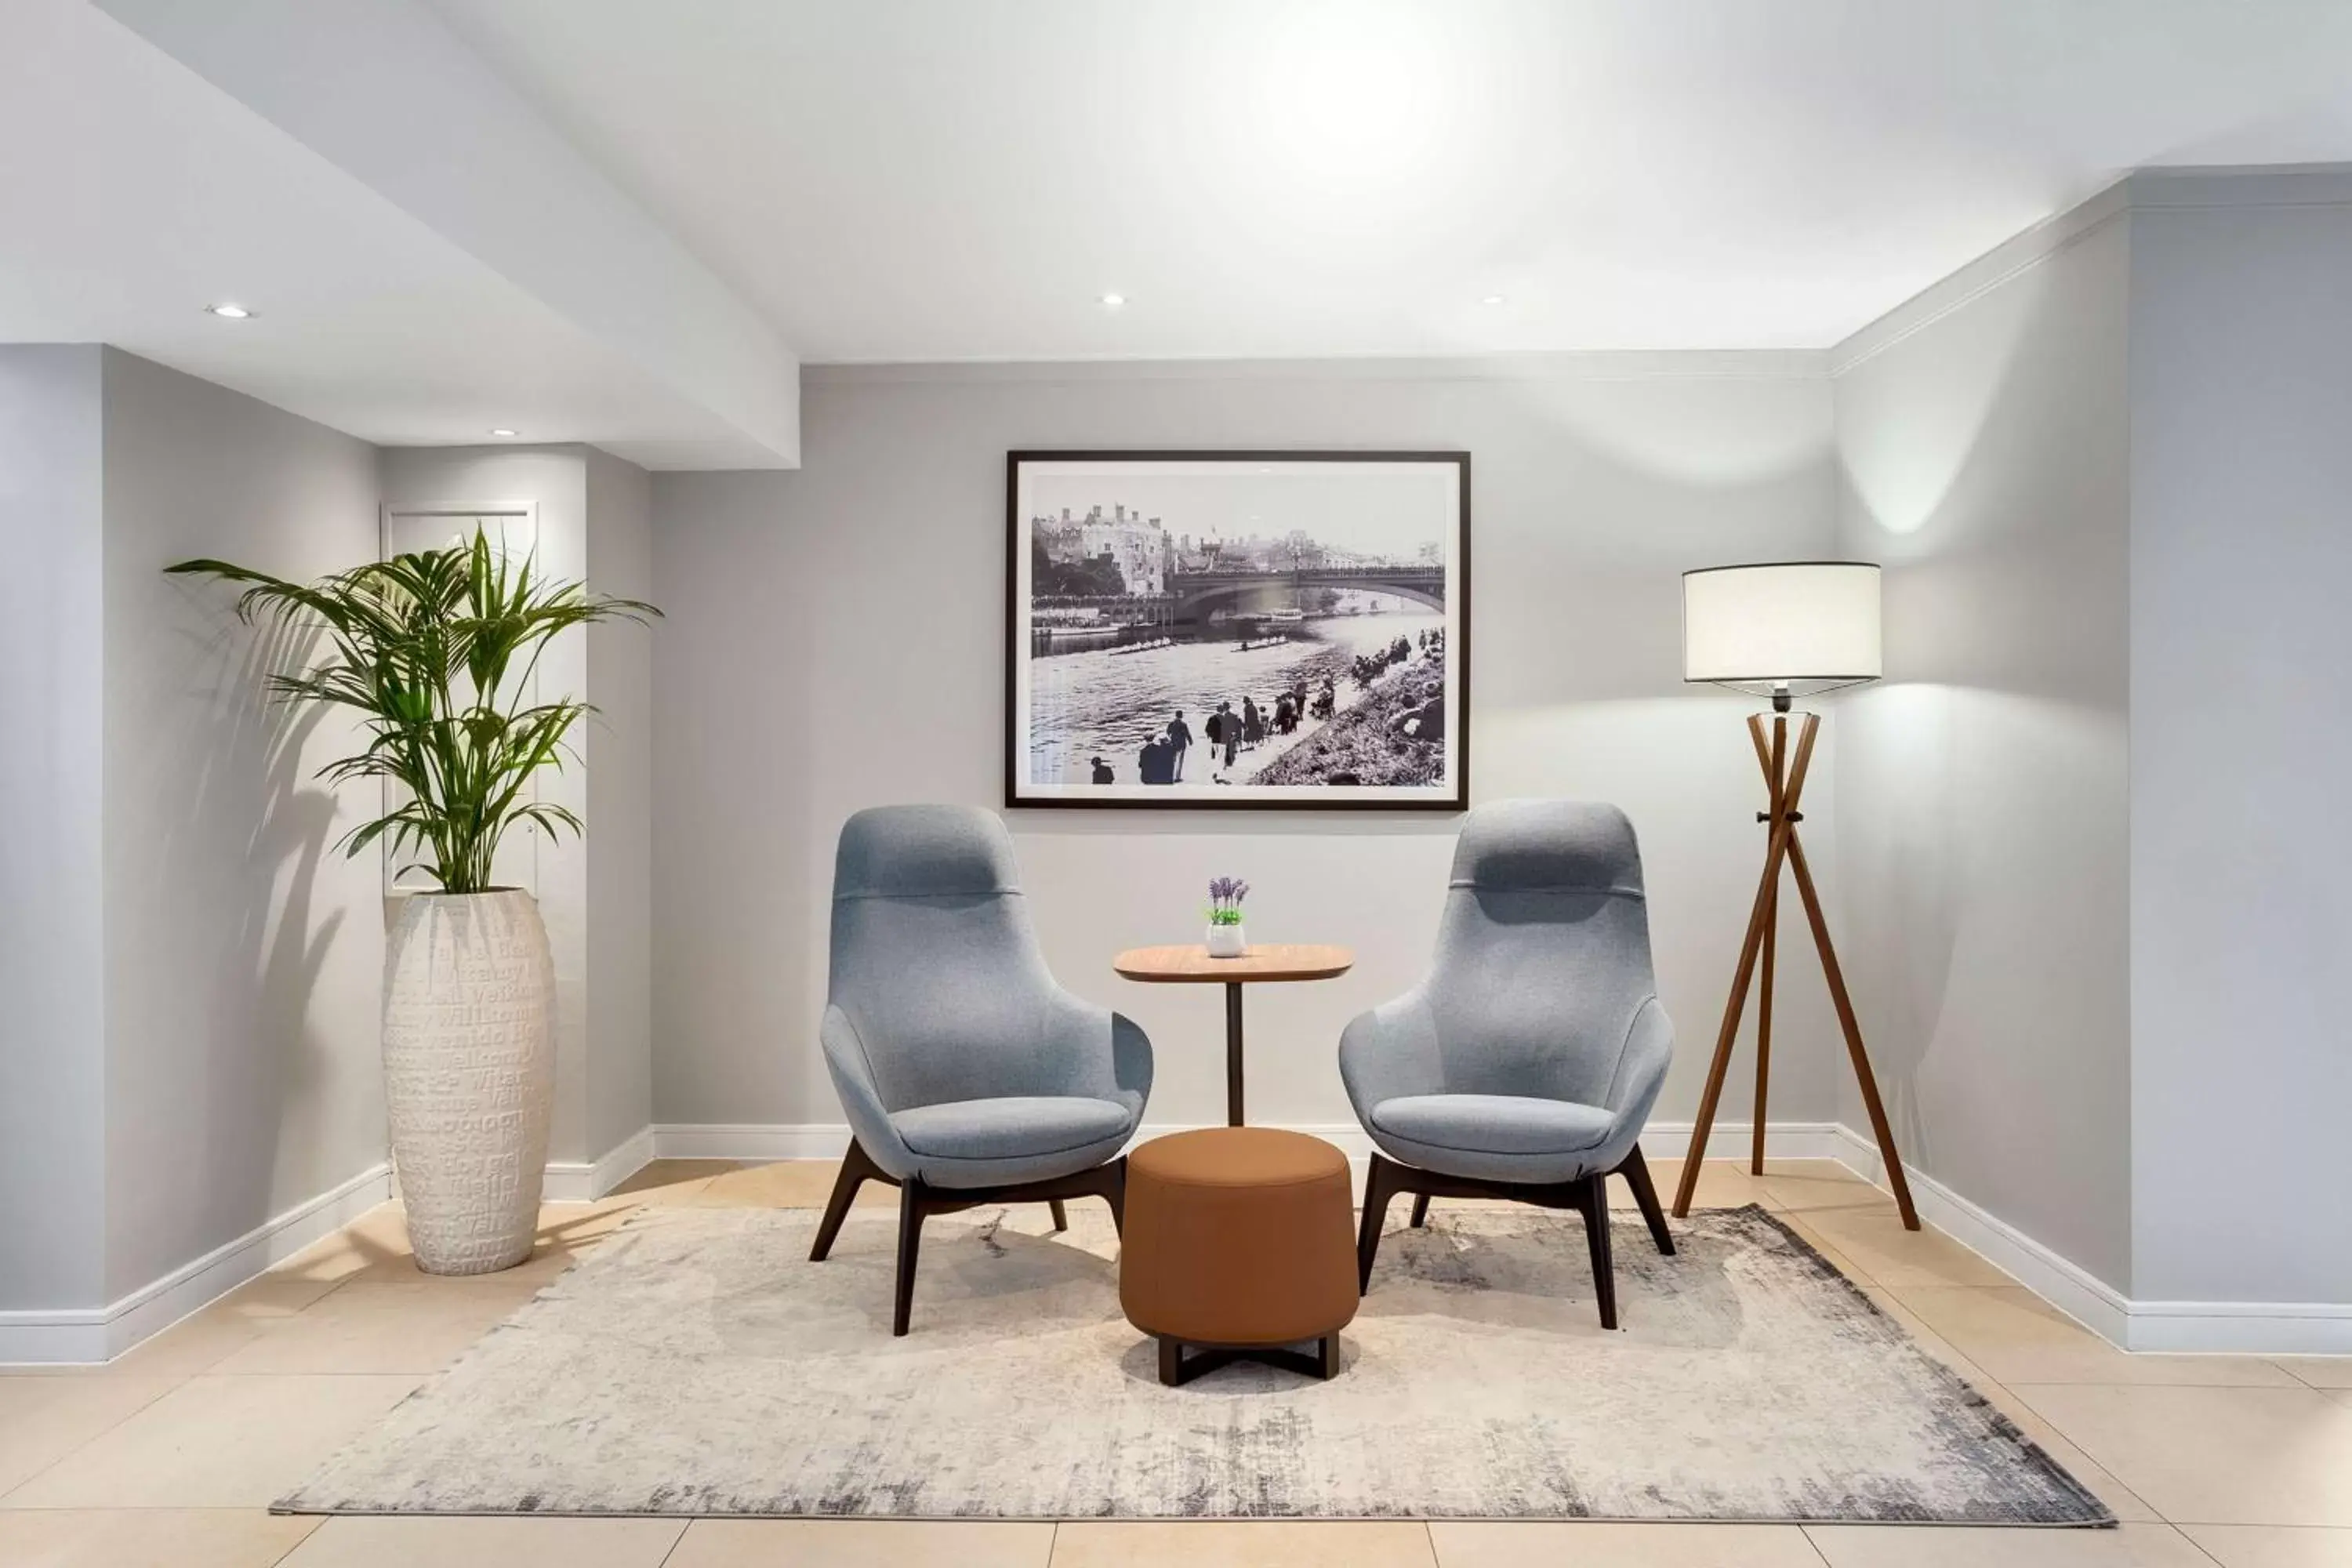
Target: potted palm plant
[436,652]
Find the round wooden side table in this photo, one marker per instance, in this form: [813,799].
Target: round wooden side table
[1259,966]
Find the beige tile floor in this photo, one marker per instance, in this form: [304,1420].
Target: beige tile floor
[168,1456]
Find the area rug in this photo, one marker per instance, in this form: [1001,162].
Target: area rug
[697,1363]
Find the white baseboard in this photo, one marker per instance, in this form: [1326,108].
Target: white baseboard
[91,1334]
[585,1181]
[2195,1328]
[1735,1139]
[2210,1327]
[760,1142]
[102,1333]
[2064,1284]
[751,1142]
[2245,1328]
[2253,1328]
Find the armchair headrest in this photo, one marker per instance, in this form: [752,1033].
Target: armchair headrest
[1547,846]
[923,851]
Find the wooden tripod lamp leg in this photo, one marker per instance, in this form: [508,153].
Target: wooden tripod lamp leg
[1784,790]
[1783,816]
[1764,1032]
[1689,1183]
[1853,1031]
[1775,779]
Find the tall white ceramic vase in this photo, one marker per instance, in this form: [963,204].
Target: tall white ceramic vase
[469,1074]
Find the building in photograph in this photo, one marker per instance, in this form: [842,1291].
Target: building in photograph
[1136,544]
[1139,549]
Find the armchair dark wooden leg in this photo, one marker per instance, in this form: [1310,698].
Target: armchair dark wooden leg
[1636,1171]
[1594,1202]
[910,1240]
[1420,1210]
[1380,1185]
[1327,1356]
[918,1200]
[857,1168]
[1588,1195]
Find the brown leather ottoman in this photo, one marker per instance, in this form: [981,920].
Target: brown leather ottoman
[1239,1242]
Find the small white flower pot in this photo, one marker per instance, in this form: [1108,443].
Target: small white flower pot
[1227,942]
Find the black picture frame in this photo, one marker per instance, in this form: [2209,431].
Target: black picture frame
[1452,792]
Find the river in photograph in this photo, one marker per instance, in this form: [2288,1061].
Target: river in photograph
[1105,703]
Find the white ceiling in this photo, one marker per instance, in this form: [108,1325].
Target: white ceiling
[952,179]
[133,193]
[619,222]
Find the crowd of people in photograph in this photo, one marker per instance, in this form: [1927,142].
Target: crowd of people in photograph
[1226,733]
[1370,667]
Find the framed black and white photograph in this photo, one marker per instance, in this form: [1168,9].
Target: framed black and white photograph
[1257,629]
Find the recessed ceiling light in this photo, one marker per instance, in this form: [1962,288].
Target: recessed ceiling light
[228,312]
[1110,301]
[1492,300]
[501,431]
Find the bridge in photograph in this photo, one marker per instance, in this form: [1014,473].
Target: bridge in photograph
[1197,593]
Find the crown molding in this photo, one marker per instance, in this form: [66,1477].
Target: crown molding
[2013,258]
[2257,185]
[1599,365]
[2143,190]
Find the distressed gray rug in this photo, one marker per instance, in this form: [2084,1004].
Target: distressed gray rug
[697,1364]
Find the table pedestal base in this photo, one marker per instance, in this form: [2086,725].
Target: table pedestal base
[1233,1054]
[1260,965]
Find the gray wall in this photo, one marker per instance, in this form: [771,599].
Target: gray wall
[617,743]
[52,1057]
[837,636]
[1982,789]
[2241,844]
[243,951]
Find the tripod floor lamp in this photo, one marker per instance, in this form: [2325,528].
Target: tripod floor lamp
[1784,630]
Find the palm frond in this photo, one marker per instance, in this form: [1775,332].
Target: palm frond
[437,650]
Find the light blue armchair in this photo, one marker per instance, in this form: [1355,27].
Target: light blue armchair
[1526,1064]
[967,1075]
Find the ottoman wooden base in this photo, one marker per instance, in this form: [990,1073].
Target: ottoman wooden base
[1239,1244]
[1176,1367]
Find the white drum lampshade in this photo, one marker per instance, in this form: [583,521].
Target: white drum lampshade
[1783,629]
